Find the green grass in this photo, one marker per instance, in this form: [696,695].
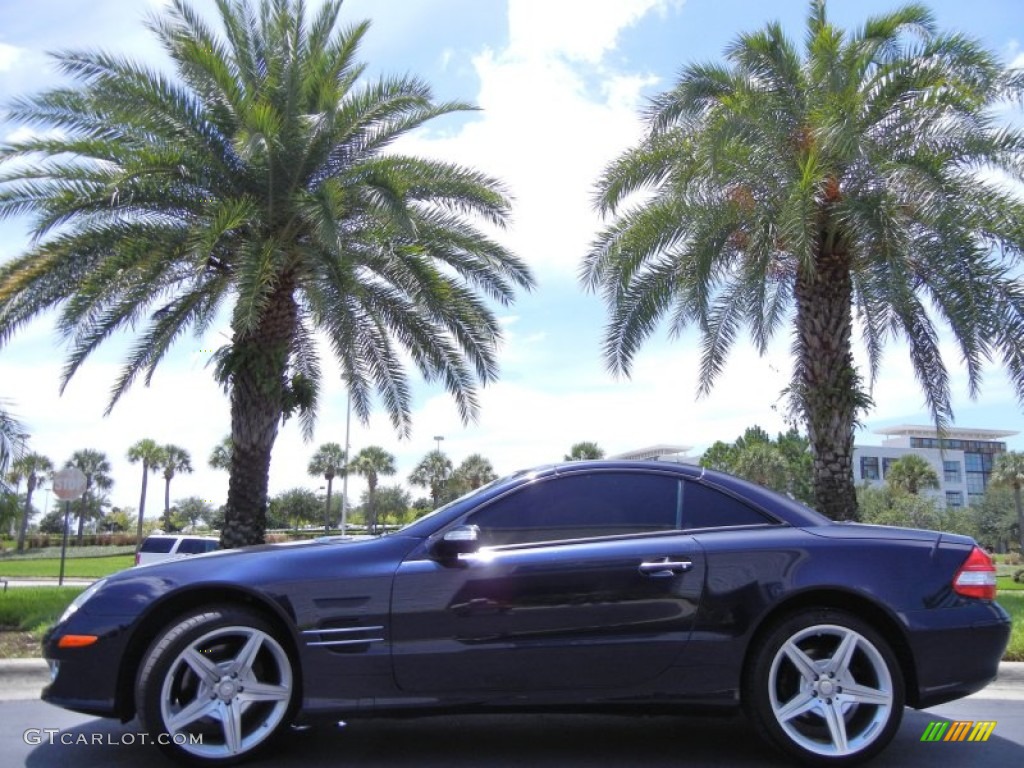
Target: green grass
[29,608]
[1013,602]
[79,567]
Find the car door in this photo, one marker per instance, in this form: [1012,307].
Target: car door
[585,581]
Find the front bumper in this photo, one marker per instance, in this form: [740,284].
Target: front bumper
[86,679]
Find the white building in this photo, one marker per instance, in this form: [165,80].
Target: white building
[962,459]
[662,452]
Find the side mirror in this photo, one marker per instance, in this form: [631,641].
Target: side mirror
[461,540]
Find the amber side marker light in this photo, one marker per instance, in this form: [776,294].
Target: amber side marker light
[977,576]
[76,641]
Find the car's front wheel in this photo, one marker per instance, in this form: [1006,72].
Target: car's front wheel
[215,686]
[825,687]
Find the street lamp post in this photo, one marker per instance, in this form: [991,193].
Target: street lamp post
[439,438]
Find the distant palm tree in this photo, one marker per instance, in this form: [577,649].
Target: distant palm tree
[34,468]
[96,468]
[220,456]
[583,451]
[328,462]
[151,454]
[262,178]
[911,473]
[1008,472]
[371,462]
[795,186]
[174,460]
[475,471]
[433,472]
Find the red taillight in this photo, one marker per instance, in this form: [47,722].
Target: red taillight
[137,558]
[977,576]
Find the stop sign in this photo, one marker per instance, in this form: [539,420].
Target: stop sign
[69,483]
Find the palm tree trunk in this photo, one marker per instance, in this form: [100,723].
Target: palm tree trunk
[257,381]
[1020,516]
[371,481]
[829,387]
[167,504]
[327,511]
[23,528]
[83,507]
[142,504]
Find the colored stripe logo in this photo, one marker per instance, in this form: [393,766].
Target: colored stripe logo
[959,730]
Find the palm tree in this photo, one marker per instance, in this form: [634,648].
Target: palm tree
[96,468]
[911,473]
[371,462]
[328,461]
[11,432]
[262,175]
[432,472]
[1008,471]
[584,450]
[34,468]
[475,471]
[174,460]
[220,456]
[151,454]
[790,189]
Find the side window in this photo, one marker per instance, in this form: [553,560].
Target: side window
[194,546]
[705,507]
[161,544]
[581,506]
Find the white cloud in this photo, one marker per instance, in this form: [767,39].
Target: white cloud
[9,57]
[581,30]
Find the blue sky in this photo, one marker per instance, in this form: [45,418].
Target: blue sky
[560,84]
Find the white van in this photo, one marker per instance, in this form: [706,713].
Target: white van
[173,546]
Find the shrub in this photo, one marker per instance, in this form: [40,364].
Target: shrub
[1019,576]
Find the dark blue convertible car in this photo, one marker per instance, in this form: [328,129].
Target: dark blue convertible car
[613,586]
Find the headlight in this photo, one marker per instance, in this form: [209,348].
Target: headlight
[79,601]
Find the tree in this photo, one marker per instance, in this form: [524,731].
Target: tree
[474,472]
[151,455]
[790,188]
[34,468]
[392,502]
[433,472]
[220,456]
[328,461]
[96,468]
[293,508]
[583,451]
[192,509]
[1008,472]
[911,473]
[262,174]
[116,521]
[371,462]
[782,464]
[174,460]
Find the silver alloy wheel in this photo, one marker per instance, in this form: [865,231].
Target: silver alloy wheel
[226,692]
[830,690]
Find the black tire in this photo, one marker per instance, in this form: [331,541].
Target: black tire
[216,686]
[824,687]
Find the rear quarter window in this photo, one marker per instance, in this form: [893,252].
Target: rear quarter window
[157,545]
[705,507]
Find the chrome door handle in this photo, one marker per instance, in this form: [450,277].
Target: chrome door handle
[665,567]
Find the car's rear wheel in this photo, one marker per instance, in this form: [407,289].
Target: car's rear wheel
[216,686]
[825,687]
